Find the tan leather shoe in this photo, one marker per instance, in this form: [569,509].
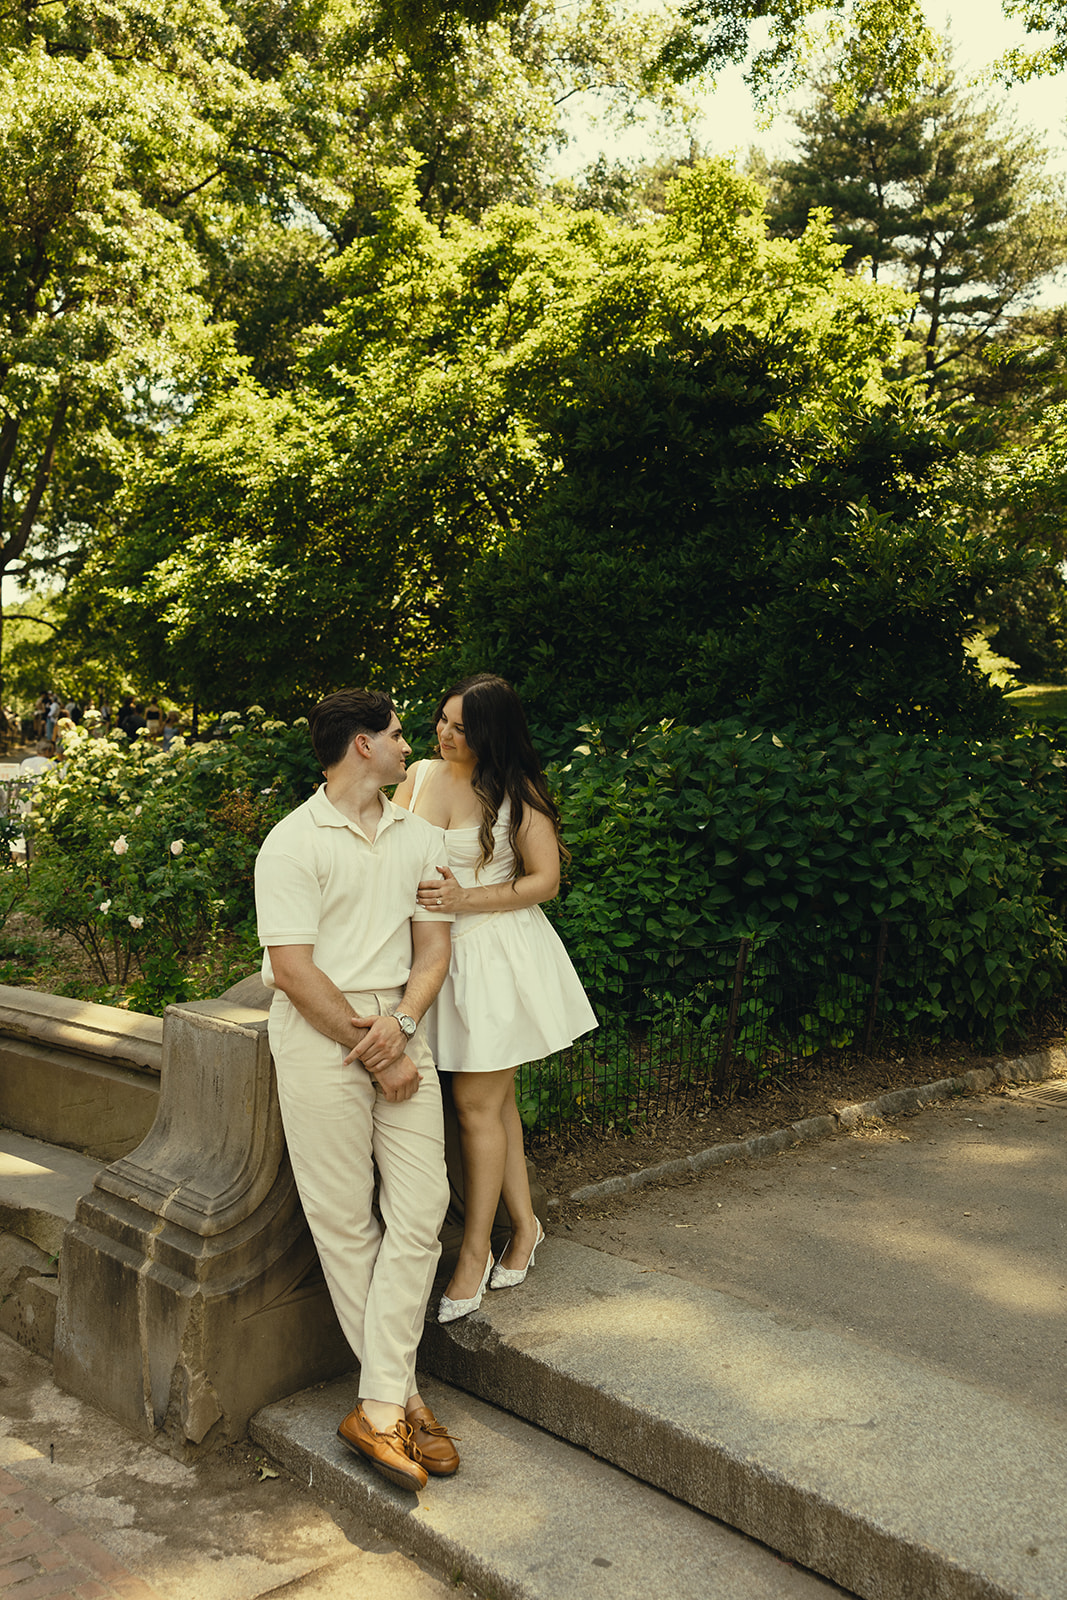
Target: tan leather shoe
[436,1450]
[394,1454]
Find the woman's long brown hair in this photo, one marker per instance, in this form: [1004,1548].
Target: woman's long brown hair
[506,766]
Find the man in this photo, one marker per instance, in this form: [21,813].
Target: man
[355,963]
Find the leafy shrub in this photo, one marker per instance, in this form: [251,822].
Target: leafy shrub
[145,856]
[686,835]
[726,536]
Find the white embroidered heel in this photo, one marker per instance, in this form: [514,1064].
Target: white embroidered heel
[511,1277]
[452,1310]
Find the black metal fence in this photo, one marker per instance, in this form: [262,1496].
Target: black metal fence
[763,1007]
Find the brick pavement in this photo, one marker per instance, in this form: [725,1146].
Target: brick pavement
[45,1555]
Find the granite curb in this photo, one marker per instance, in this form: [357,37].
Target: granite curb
[884,1475]
[529,1516]
[1022,1069]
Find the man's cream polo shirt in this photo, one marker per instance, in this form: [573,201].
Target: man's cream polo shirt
[321,881]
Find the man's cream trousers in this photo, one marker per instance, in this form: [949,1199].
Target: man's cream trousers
[339,1127]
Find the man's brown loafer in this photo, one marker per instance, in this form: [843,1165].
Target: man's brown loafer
[393,1454]
[436,1451]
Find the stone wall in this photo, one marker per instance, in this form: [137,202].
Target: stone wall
[190,1293]
[82,1076]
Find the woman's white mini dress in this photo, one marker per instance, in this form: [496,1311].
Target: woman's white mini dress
[511,994]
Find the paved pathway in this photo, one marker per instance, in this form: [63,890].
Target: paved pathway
[43,1552]
[940,1237]
[87,1513]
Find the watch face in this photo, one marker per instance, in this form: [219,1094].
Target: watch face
[406,1023]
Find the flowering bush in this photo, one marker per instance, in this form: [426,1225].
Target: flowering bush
[145,855]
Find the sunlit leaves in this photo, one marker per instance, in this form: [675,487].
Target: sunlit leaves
[889,37]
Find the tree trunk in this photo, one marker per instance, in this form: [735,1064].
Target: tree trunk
[13,546]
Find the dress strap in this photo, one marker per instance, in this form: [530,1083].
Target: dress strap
[421,769]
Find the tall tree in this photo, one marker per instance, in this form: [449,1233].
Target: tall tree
[274,545]
[94,288]
[887,39]
[942,195]
[174,178]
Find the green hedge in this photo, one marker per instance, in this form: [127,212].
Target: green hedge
[145,856]
[685,835]
[681,837]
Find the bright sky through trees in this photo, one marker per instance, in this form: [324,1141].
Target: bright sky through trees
[730,121]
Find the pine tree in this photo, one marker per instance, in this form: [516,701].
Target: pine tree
[943,195]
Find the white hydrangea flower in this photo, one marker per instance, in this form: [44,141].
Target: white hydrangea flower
[105,907]
[121,845]
[135,922]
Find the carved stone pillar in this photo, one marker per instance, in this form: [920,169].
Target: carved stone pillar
[190,1291]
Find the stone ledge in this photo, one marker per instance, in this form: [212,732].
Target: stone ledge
[889,1478]
[528,1517]
[126,1037]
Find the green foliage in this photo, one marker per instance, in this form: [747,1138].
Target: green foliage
[885,37]
[726,533]
[689,835]
[94,288]
[1013,479]
[280,545]
[1028,624]
[943,190]
[1049,55]
[145,856]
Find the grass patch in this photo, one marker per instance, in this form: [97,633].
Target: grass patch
[1040,702]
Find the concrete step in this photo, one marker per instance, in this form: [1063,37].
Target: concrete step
[879,1473]
[40,1185]
[528,1517]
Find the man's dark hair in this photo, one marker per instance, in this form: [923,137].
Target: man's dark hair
[336,720]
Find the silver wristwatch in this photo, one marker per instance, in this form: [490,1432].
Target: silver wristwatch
[406,1023]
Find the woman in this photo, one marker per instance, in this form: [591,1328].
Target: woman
[511,994]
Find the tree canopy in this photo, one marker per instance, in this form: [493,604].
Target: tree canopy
[176,178]
[290,328]
[482,392]
[942,195]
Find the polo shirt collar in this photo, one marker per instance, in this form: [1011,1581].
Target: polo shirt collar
[326,815]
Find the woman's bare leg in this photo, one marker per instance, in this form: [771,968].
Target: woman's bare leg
[516,1190]
[480,1099]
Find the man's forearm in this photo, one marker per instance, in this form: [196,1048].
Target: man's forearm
[316,997]
[429,968]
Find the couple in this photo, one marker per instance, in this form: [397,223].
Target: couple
[357,897]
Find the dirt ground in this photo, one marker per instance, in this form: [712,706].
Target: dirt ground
[565,1164]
